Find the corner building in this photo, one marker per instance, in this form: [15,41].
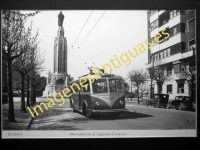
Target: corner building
[175,53]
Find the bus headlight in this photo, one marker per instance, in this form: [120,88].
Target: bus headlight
[121,102]
[97,103]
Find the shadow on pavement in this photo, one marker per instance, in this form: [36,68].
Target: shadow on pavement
[125,115]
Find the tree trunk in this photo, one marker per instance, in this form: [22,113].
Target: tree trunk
[192,89]
[34,92]
[138,94]
[23,109]
[32,95]
[31,90]
[159,88]
[28,92]
[151,94]
[11,115]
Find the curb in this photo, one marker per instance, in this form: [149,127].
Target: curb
[29,125]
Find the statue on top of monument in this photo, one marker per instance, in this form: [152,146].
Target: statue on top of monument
[60,19]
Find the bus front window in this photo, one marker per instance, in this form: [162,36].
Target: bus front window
[100,86]
[115,85]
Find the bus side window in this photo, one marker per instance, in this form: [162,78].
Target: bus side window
[74,86]
[86,88]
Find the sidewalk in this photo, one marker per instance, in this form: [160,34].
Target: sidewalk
[22,119]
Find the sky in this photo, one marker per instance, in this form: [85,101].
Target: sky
[115,33]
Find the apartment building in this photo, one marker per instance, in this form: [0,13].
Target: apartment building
[173,54]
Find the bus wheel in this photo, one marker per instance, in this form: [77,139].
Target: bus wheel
[86,111]
[156,105]
[180,106]
[73,109]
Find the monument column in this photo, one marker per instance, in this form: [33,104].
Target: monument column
[58,78]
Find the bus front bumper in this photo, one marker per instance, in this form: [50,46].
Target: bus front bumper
[109,111]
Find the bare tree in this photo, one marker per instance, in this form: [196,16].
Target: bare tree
[160,77]
[189,74]
[13,35]
[126,85]
[31,60]
[138,77]
[157,73]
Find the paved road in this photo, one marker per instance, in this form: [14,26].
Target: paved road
[139,117]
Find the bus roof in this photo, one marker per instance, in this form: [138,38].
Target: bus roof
[110,76]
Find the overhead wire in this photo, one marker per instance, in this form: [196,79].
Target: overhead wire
[81,29]
[92,28]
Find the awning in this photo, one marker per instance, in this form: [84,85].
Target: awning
[180,80]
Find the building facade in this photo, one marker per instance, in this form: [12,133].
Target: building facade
[174,54]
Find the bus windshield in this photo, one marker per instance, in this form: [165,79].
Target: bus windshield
[100,86]
[115,85]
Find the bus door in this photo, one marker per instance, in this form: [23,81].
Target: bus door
[86,92]
[79,99]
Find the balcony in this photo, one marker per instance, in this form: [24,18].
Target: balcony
[161,11]
[176,20]
[154,32]
[154,17]
[166,60]
[179,37]
[186,54]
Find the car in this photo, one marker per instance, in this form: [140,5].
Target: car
[158,100]
[181,103]
[129,95]
[16,93]
[145,98]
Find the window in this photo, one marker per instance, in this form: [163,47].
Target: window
[174,13]
[187,11]
[156,96]
[183,47]
[163,18]
[86,88]
[183,67]
[176,48]
[152,12]
[191,44]
[175,31]
[163,37]
[169,70]
[156,56]
[161,55]
[191,25]
[180,88]
[115,85]
[153,41]
[177,68]
[165,53]
[154,25]
[75,87]
[169,89]
[168,52]
[100,86]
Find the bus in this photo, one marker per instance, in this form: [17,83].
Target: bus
[104,95]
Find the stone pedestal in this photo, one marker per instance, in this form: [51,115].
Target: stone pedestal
[49,90]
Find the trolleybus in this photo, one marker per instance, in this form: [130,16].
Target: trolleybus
[104,95]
